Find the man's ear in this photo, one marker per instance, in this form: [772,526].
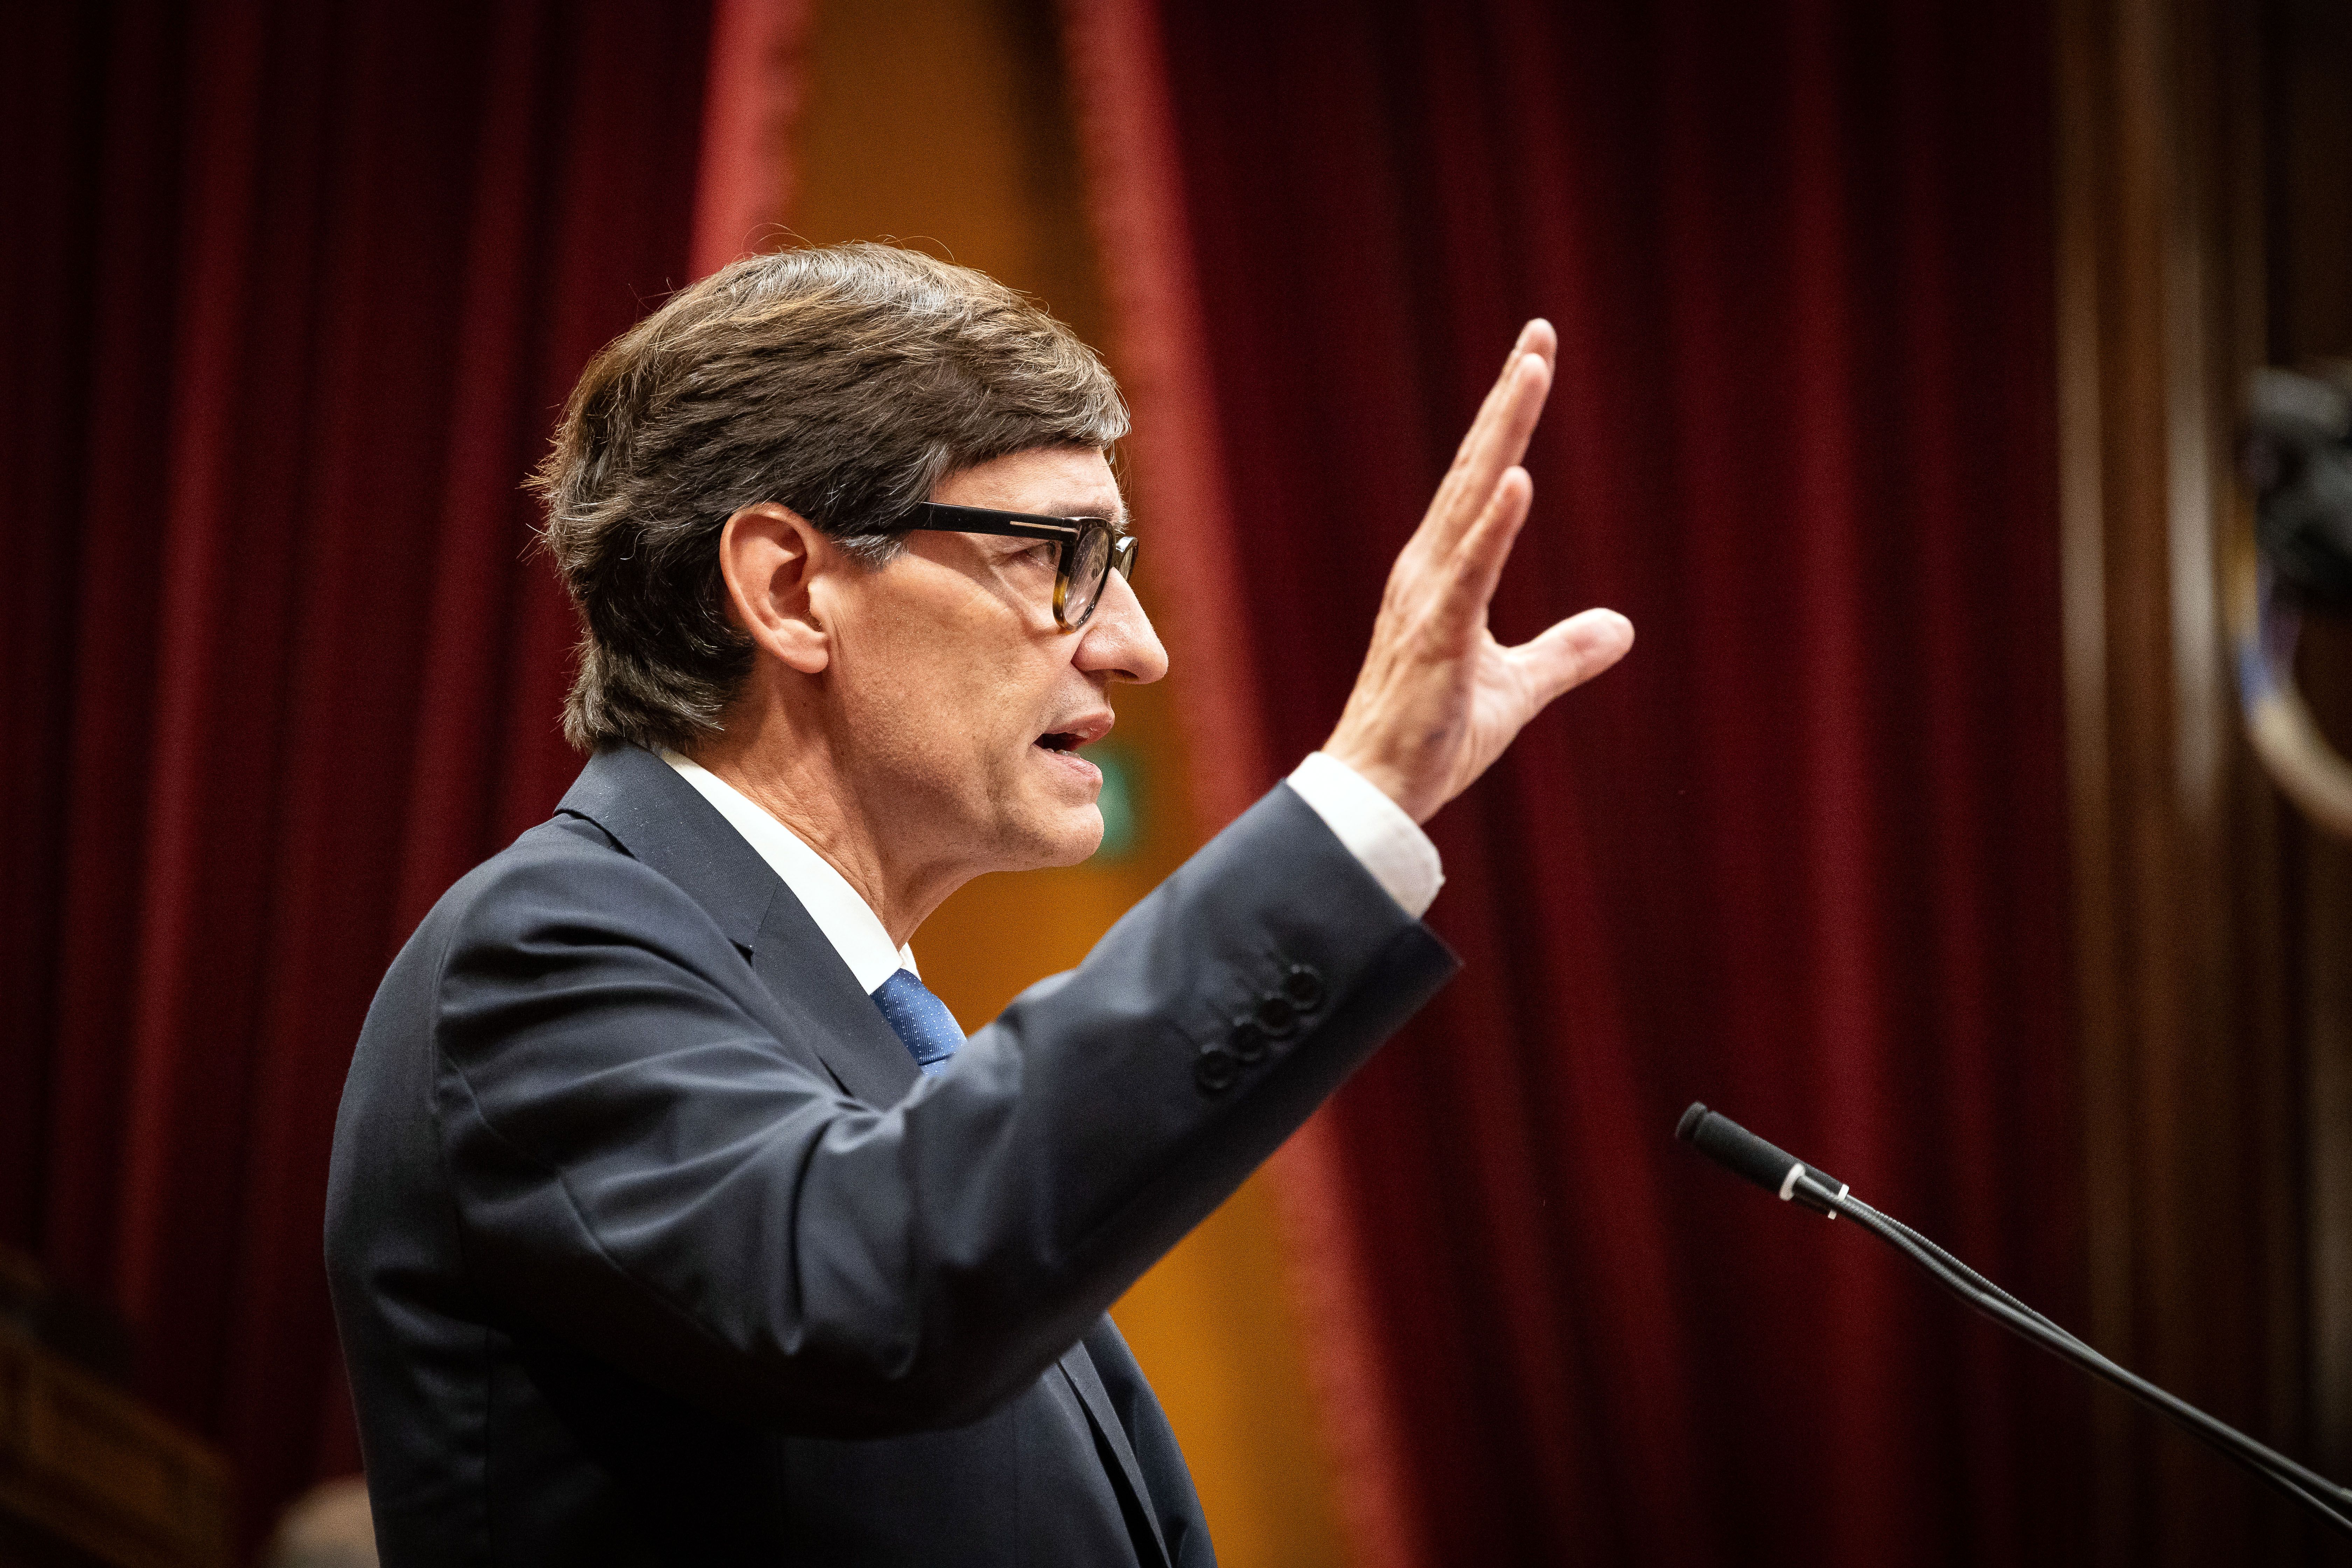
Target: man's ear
[770,556]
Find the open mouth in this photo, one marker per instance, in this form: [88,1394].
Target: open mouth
[1084,730]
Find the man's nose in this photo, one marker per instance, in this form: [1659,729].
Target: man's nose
[1118,640]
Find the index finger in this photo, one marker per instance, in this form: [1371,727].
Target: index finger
[1497,439]
[1535,338]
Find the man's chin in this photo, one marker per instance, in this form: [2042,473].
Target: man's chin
[1059,813]
[1070,836]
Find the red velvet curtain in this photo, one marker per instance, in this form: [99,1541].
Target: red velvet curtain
[1801,856]
[293,294]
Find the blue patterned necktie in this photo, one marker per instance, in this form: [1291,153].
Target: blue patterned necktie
[921,1019]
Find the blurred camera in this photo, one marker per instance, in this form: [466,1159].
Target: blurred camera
[2297,456]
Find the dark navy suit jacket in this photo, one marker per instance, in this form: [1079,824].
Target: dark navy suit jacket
[648,1244]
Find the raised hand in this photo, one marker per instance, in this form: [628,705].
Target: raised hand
[1439,699]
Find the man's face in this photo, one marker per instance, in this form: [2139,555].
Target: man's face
[963,704]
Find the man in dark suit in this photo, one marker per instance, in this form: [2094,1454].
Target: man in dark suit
[671,1219]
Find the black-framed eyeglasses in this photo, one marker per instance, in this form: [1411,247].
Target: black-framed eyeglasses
[1091,550]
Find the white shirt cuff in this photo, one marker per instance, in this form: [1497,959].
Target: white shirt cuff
[1375,829]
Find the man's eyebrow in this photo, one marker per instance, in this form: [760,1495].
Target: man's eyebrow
[1115,516]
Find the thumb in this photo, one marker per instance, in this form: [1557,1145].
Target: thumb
[1572,652]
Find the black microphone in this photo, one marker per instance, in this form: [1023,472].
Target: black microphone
[1743,1153]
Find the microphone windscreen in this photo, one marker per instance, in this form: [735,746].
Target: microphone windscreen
[1735,1148]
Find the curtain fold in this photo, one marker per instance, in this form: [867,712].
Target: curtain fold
[301,291]
[1801,856]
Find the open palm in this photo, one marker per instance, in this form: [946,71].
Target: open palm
[1438,698]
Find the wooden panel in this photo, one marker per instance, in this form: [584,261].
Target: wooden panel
[2207,965]
[2307,79]
[87,1474]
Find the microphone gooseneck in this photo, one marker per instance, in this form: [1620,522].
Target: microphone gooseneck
[1736,1149]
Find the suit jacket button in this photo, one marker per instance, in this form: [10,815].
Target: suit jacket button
[1276,1018]
[1249,1040]
[1217,1069]
[1303,988]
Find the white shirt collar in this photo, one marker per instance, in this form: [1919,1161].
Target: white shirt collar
[847,921]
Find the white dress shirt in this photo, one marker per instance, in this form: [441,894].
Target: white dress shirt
[1375,829]
[847,921]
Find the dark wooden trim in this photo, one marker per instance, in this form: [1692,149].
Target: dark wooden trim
[89,1475]
[2211,949]
[2307,230]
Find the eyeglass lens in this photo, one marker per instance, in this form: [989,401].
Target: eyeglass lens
[1089,565]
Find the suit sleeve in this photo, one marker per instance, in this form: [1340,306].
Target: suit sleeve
[639,1163]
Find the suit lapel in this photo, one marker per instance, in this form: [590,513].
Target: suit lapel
[1078,1366]
[793,958]
[664,821]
